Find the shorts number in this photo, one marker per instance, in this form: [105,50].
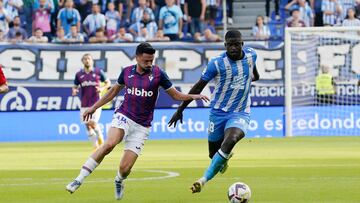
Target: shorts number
[211,127]
[121,119]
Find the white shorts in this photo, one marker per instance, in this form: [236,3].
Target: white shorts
[95,117]
[135,134]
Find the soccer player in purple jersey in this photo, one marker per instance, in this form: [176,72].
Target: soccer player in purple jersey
[88,80]
[132,120]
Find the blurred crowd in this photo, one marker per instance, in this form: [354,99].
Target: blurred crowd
[101,21]
[307,13]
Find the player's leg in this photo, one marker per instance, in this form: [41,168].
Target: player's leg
[134,143]
[89,128]
[216,135]
[115,135]
[98,131]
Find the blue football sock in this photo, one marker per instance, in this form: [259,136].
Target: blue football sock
[216,164]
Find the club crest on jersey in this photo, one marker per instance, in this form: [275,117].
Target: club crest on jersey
[93,75]
[151,77]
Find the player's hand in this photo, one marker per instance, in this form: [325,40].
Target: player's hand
[199,96]
[75,91]
[174,119]
[88,114]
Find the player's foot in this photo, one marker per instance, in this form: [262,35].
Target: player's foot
[196,187]
[226,165]
[73,186]
[119,189]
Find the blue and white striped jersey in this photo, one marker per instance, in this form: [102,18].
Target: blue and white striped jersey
[232,81]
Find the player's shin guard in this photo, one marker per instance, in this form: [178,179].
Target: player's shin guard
[88,167]
[217,162]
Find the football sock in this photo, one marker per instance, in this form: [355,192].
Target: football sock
[100,136]
[93,137]
[216,164]
[88,167]
[119,177]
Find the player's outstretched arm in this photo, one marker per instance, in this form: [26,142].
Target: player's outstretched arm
[196,89]
[114,90]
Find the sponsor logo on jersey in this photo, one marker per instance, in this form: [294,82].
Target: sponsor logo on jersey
[89,83]
[139,92]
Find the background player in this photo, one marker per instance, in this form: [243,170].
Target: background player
[3,83]
[233,71]
[88,80]
[132,120]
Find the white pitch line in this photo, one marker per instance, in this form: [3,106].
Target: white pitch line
[168,174]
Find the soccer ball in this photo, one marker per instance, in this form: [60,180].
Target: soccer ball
[239,193]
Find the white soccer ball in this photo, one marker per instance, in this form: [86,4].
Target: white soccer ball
[239,193]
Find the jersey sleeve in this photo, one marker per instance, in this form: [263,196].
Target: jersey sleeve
[76,80]
[121,80]
[209,72]
[2,77]
[165,81]
[102,76]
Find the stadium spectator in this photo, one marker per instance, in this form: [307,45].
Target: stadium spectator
[137,13]
[208,36]
[38,37]
[318,20]
[99,36]
[142,36]
[41,18]
[113,19]
[357,8]
[170,20]
[230,11]
[351,18]
[26,16]
[195,13]
[84,8]
[15,29]
[3,82]
[68,16]
[18,38]
[4,19]
[13,8]
[295,20]
[306,13]
[260,31]
[74,36]
[147,23]
[88,79]
[60,36]
[122,36]
[156,6]
[94,21]
[159,37]
[267,10]
[230,112]
[331,12]
[211,11]
[345,5]
[325,86]
[131,125]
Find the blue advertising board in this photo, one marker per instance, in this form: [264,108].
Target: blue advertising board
[65,125]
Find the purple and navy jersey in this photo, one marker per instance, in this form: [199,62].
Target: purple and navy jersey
[88,83]
[141,93]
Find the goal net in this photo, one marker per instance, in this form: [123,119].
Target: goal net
[322,69]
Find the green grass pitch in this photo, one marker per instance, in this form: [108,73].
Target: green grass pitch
[278,170]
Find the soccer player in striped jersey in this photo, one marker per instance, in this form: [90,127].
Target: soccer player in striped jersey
[233,72]
[88,79]
[132,120]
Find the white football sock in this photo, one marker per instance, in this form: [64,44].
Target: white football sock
[88,167]
[93,137]
[119,177]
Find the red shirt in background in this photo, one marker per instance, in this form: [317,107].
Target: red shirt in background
[2,77]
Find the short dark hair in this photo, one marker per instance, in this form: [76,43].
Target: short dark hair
[233,34]
[144,47]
